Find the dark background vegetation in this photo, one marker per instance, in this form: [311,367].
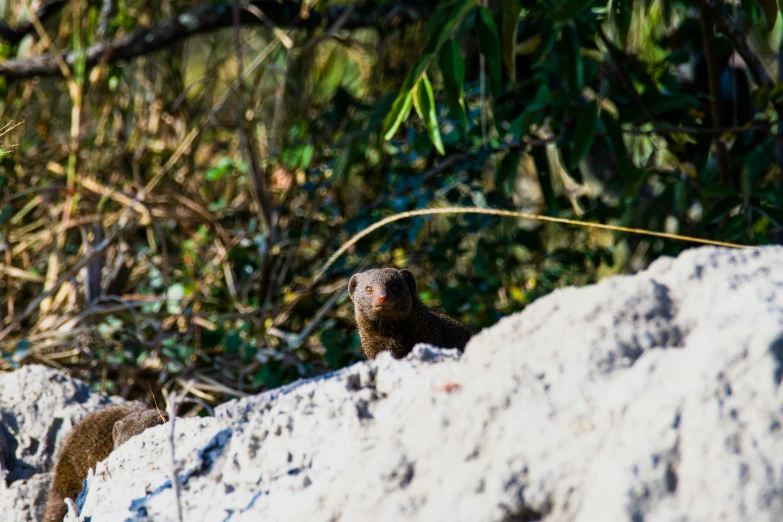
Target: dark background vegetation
[175,172]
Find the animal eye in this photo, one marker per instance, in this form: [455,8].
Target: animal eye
[368,289]
[393,287]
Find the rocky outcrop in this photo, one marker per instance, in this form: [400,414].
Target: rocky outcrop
[38,407]
[653,397]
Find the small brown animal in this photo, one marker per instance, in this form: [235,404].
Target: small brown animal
[391,317]
[92,440]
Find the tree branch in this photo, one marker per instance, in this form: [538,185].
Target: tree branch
[209,18]
[47,9]
[756,68]
[722,153]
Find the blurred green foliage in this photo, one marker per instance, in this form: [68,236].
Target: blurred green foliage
[222,197]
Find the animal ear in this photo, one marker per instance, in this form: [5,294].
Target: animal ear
[116,430]
[352,285]
[410,280]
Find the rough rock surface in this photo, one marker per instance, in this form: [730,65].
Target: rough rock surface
[38,407]
[654,397]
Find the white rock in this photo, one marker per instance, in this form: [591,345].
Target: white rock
[38,407]
[654,397]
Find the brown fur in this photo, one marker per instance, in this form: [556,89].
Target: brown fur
[391,317]
[91,441]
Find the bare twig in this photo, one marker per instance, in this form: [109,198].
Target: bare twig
[15,35]
[209,18]
[171,399]
[63,278]
[738,42]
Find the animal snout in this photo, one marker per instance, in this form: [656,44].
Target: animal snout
[381,298]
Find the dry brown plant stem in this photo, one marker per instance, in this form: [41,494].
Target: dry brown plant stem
[510,213]
[171,400]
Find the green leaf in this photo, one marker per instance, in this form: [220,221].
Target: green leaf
[453,69]
[545,180]
[519,126]
[585,133]
[506,174]
[773,214]
[623,13]
[444,22]
[548,37]
[489,43]
[511,10]
[614,136]
[401,107]
[417,71]
[680,195]
[674,103]
[233,343]
[754,167]
[750,8]
[424,101]
[771,197]
[735,228]
[570,9]
[331,74]
[573,58]
[398,114]
[720,210]
[381,110]
[543,95]
[678,57]
[345,160]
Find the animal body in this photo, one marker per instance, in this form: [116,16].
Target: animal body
[91,441]
[391,317]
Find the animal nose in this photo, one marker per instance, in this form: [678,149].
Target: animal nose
[381,298]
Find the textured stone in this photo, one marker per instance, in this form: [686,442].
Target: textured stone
[653,397]
[38,407]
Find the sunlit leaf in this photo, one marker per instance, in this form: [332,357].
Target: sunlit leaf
[453,70]
[424,102]
[489,42]
[401,107]
[332,73]
[398,114]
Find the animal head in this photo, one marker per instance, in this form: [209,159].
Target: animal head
[383,293]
